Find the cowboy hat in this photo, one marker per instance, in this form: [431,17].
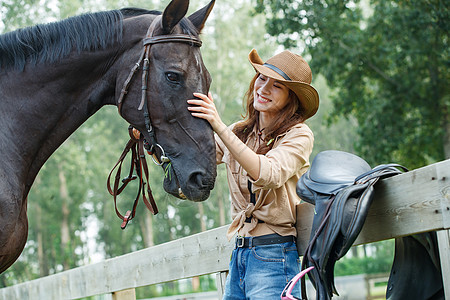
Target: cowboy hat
[294,72]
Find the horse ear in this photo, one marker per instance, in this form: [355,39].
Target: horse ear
[173,13]
[199,17]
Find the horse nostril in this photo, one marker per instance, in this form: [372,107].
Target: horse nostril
[196,179]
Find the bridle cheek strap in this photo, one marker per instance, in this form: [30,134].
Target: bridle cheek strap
[137,144]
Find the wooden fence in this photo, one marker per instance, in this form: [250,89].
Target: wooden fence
[410,203]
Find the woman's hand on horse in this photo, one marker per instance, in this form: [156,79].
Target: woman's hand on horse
[205,108]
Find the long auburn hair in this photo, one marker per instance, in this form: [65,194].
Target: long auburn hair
[290,115]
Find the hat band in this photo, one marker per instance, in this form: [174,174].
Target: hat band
[284,75]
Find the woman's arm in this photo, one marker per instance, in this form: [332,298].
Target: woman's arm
[205,109]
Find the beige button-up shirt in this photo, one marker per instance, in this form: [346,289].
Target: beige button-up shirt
[276,198]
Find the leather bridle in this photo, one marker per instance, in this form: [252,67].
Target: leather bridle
[137,143]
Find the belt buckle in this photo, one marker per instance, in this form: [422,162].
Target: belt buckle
[240,242]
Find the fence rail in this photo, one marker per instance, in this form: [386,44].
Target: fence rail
[410,203]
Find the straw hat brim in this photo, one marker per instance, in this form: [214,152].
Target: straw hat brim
[305,92]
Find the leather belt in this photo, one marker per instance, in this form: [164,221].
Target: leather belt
[270,239]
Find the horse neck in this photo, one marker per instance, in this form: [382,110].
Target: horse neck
[43,105]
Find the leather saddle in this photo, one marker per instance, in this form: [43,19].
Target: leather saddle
[341,186]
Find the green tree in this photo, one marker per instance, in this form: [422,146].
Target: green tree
[342,135]
[388,63]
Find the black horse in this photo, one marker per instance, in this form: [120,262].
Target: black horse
[53,77]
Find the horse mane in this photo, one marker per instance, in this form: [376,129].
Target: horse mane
[50,42]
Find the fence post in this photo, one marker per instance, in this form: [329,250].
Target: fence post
[221,278]
[129,294]
[444,251]
[443,236]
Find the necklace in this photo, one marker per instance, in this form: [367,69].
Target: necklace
[260,138]
[260,131]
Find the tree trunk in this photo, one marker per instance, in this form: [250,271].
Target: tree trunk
[201,212]
[38,228]
[221,210]
[42,258]
[364,247]
[354,251]
[147,230]
[65,235]
[447,135]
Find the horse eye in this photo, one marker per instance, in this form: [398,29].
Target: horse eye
[173,77]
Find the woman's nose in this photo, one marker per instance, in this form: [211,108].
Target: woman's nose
[265,88]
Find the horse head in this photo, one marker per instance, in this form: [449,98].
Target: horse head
[156,105]
[54,76]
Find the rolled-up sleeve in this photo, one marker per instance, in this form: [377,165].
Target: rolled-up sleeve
[219,149]
[289,155]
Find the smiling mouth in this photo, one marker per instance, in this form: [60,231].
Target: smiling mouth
[261,99]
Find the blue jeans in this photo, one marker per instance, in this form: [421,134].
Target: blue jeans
[262,272]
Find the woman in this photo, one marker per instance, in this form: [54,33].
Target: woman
[265,154]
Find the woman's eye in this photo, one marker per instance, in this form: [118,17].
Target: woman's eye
[279,85]
[173,77]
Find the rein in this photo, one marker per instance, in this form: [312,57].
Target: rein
[138,164]
[137,143]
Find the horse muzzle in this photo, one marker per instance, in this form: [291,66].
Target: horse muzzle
[194,185]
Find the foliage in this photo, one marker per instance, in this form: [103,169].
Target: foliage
[378,262]
[342,135]
[387,61]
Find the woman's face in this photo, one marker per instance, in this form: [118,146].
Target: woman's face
[270,96]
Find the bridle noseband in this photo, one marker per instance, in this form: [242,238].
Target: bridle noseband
[136,144]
